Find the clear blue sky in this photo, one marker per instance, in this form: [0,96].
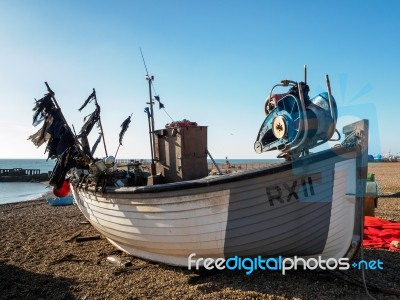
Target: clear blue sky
[214,63]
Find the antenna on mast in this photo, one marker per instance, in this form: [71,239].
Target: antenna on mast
[144,62]
[156,96]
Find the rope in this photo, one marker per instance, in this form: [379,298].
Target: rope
[360,283]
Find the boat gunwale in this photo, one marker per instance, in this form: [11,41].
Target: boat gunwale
[232,177]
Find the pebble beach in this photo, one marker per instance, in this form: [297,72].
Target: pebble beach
[40,258]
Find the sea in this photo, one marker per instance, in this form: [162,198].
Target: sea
[22,191]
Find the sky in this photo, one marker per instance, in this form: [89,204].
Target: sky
[214,63]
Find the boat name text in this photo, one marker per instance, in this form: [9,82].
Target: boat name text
[285,192]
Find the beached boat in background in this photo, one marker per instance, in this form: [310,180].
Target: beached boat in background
[308,206]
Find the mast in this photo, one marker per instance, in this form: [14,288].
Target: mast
[151,125]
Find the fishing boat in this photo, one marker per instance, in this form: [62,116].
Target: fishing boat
[309,206]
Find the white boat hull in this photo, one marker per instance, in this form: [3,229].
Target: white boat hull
[306,208]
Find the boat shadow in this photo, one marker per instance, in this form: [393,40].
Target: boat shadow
[301,284]
[298,284]
[17,283]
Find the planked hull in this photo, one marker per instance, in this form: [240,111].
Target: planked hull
[304,208]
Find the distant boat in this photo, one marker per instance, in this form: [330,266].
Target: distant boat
[308,206]
[377,157]
[389,158]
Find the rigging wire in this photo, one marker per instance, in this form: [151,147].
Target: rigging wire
[155,93]
[168,114]
[152,85]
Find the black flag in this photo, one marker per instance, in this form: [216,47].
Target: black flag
[147,111]
[43,107]
[91,97]
[160,105]
[96,144]
[124,126]
[90,121]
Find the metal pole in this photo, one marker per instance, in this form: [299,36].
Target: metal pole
[115,156]
[328,86]
[152,140]
[101,126]
[215,164]
[305,126]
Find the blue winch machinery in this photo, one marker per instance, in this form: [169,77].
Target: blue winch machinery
[295,123]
